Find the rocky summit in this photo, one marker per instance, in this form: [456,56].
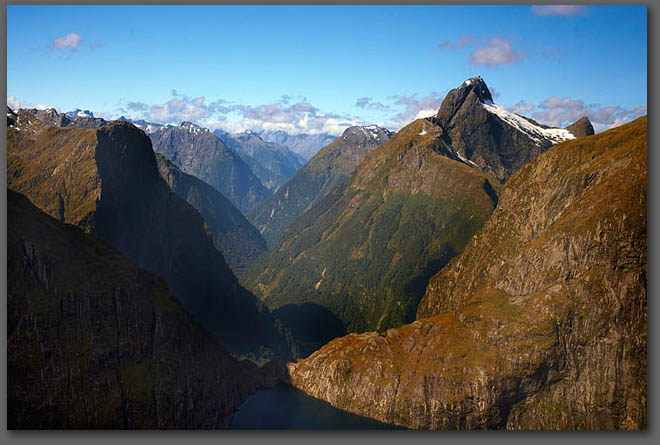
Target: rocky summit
[96,342]
[326,170]
[493,139]
[106,181]
[539,324]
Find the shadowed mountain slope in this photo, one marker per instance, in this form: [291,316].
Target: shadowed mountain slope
[238,240]
[106,181]
[94,341]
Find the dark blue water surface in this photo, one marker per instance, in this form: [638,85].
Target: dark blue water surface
[284,407]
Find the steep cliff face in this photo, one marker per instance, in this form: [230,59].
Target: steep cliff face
[198,152]
[107,182]
[94,341]
[326,170]
[366,251]
[233,235]
[539,324]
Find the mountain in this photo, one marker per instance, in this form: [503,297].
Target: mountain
[147,127]
[50,116]
[306,145]
[79,113]
[198,152]
[274,157]
[96,342]
[492,138]
[539,324]
[106,181]
[327,169]
[366,250]
[233,235]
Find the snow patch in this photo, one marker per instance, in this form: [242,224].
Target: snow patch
[536,133]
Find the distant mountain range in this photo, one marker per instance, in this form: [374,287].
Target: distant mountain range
[306,145]
[198,152]
[326,170]
[272,163]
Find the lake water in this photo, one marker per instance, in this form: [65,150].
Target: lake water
[284,407]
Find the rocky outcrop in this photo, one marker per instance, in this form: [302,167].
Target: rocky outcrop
[539,324]
[96,342]
[365,251]
[233,235]
[581,127]
[107,182]
[326,170]
[198,152]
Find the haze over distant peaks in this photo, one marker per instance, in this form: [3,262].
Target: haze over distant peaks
[327,169]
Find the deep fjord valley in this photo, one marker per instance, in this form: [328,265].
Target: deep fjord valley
[475,269]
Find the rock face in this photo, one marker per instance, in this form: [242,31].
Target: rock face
[107,182]
[306,145]
[366,251]
[582,127]
[326,170]
[94,341]
[272,163]
[233,235]
[539,324]
[198,152]
[495,140]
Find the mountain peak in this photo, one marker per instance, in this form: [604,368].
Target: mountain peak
[581,127]
[458,96]
[368,131]
[192,128]
[478,85]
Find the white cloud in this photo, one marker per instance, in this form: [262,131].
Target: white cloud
[562,10]
[13,103]
[368,103]
[417,108]
[559,112]
[421,114]
[299,117]
[463,41]
[521,107]
[498,51]
[70,41]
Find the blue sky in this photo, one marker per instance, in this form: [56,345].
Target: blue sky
[322,68]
